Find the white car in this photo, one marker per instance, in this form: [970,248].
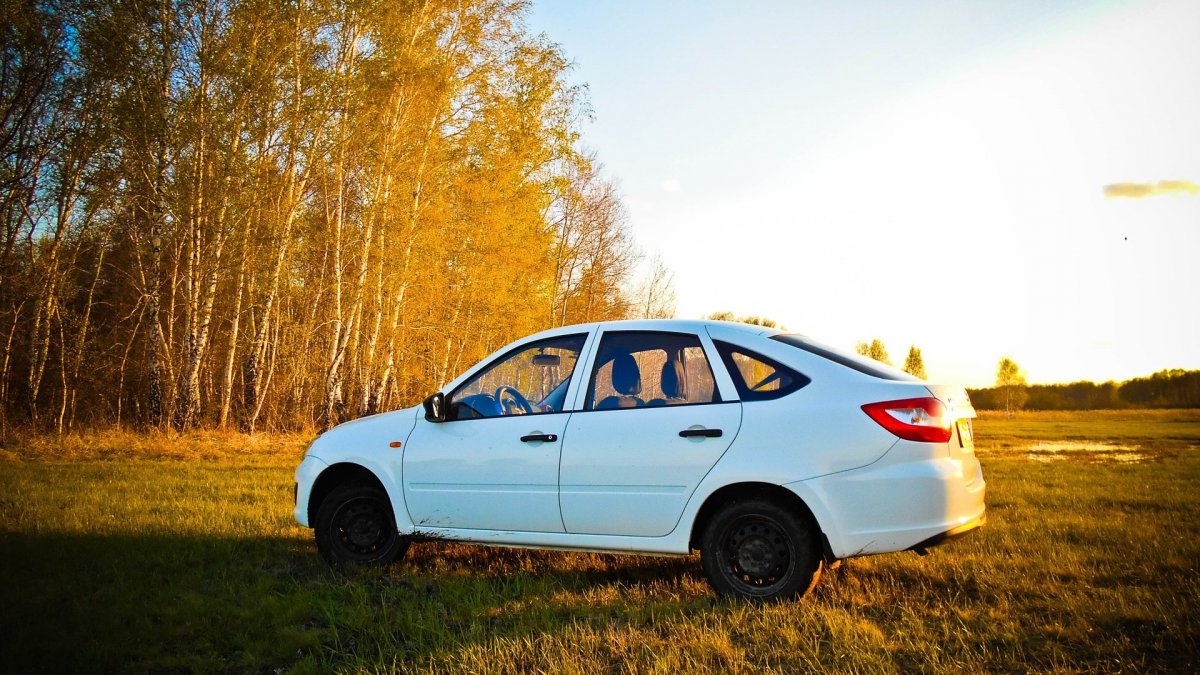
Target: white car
[768,452]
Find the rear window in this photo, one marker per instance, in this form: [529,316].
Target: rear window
[757,377]
[851,360]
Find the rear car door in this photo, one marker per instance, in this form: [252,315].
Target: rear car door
[652,425]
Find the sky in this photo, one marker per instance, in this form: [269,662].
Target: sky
[978,179]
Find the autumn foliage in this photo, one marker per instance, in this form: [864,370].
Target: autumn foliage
[252,214]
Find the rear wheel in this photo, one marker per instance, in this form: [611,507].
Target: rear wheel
[355,526]
[759,550]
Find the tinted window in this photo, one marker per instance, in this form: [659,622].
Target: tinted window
[641,370]
[757,377]
[854,361]
[533,379]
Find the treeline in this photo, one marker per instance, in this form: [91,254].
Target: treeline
[1164,389]
[264,214]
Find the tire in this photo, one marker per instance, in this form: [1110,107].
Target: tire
[758,550]
[356,527]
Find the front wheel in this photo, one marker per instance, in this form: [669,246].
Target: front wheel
[758,550]
[355,526]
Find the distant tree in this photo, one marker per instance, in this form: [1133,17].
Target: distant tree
[914,364]
[1010,381]
[1164,389]
[655,293]
[1074,396]
[874,350]
[1173,388]
[756,320]
[984,399]
[760,321]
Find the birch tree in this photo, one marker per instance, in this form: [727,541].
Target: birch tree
[280,215]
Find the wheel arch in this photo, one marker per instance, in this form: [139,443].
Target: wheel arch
[733,493]
[339,474]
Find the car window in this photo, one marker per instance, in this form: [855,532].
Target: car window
[757,377]
[530,380]
[850,360]
[645,369]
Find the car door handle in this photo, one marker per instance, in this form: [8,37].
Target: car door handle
[545,438]
[706,433]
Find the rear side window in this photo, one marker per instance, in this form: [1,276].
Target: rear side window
[853,361]
[757,377]
[650,369]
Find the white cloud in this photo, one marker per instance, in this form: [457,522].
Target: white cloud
[671,185]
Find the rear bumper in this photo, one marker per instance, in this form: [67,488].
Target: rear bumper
[896,506]
[950,535]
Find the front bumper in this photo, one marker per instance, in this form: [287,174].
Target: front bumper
[306,477]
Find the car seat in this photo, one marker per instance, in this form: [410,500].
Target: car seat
[672,384]
[627,381]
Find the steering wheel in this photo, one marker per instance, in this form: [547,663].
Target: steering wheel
[514,396]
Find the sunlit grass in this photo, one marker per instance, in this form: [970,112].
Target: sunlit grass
[199,446]
[995,430]
[189,560]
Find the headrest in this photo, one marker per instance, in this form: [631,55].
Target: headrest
[626,377]
[672,379]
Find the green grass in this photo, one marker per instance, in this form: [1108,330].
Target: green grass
[185,558]
[995,431]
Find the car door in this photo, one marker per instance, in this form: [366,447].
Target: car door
[493,464]
[652,424]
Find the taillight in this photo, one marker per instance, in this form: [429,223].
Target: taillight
[913,419]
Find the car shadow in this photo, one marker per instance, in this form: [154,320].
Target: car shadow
[81,601]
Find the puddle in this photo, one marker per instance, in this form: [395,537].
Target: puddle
[1095,451]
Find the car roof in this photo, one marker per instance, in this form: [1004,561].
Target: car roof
[686,325]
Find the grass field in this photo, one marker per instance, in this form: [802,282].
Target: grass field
[159,553]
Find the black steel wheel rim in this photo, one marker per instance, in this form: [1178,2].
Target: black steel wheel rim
[362,526]
[757,553]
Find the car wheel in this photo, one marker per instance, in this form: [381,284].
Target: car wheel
[758,550]
[355,526]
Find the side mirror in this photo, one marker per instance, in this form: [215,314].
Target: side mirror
[435,407]
[546,360]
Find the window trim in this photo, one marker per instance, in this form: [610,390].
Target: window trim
[589,391]
[745,393]
[508,354]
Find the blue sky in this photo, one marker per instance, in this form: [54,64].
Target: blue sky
[928,173]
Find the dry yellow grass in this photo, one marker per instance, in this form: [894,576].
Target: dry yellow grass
[108,445]
[167,552]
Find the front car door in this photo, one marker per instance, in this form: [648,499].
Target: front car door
[652,424]
[493,465]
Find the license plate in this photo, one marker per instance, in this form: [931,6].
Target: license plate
[965,438]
